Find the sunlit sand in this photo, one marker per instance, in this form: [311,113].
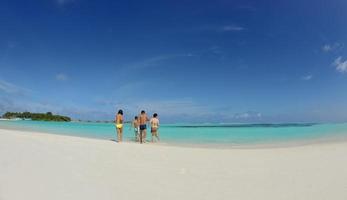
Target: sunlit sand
[45,166]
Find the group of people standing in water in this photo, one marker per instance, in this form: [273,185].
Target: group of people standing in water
[139,124]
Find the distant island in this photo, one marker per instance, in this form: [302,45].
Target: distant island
[36,116]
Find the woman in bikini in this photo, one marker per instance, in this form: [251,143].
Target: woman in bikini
[154,127]
[119,125]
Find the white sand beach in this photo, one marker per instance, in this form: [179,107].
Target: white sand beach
[44,166]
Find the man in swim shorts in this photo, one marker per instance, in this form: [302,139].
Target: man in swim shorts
[143,126]
[119,125]
[154,127]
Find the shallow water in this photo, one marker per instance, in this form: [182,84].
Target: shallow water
[195,134]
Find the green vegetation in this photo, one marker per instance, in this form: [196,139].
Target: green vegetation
[37,116]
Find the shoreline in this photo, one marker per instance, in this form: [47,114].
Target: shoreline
[266,145]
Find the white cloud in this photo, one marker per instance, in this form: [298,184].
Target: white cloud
[154,61]
[171,110]
[232,28]
[248,115]
[174,107]
[326,48]
[11,88]
[150,62]
[222,28]
[129,98]
[76,112]
[341,66]
[307,77]
[61,77]
[331,47]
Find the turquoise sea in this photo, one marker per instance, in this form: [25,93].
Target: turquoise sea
[196,134]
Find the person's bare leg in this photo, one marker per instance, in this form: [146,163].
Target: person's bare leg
[118,135]
[157,136]
[154,135]
[144,135]
[121,134]
[140,136]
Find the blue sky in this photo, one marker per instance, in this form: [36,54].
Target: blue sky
[190,61]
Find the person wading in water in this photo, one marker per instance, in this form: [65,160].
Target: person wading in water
[119,125]
[143,126]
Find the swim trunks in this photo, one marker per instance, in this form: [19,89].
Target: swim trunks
[143,127]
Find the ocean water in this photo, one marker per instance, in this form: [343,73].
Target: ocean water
[196,134]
